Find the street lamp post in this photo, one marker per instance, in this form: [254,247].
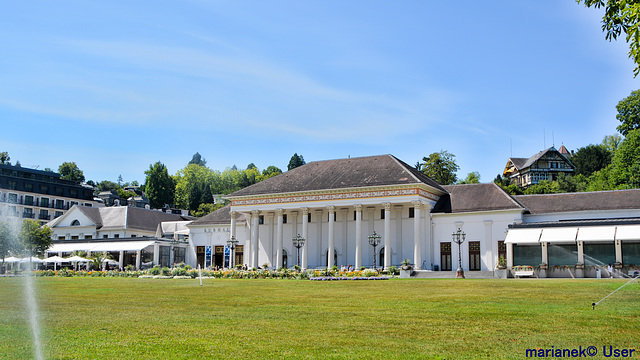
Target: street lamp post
[232,242]
[458,237]
[298,242]
[374,240]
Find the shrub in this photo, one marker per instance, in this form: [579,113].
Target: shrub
[165,271]
[154,270]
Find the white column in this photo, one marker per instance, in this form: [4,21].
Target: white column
[279,241]
[544,252]
[305,234]
[510,255]
[232,253]
[417,235]
[121,259]
[255,223]
[618,246]
[138,259]
[331,237]
[156,255]
[387,235]
[358,261]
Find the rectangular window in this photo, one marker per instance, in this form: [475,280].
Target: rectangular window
[87,204]
[381,214]
[133,235]
[44,214]
[60,237]
[44,189]
[630,253]
[562,254]
[116,236]
[474,256]
[105,236]
[44,202]
[74,237]
[527,255]
[73,193]
[354,215]
[28,213]
[57,214]
[11,185]
[59,191]
[445,256]
[72,203]
[284,218]
[28,187]
[59,204]
[309,217]
[13,198]
[88,237]
[261,219]
[412,213]
[28,200]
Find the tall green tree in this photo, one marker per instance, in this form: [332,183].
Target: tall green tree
[270,171]
[7,240]
[296,160]
[625,167]
[70,171]
[472,178]
[35,239]
[590,159]
[441,167]
[160,187]
[4,158]
[629,113]
[621,16]
[611,143]
[198,160]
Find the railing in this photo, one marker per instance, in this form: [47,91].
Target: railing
[28,215]
[44,217]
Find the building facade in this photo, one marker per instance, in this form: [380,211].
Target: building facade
[545,165]
[40,195]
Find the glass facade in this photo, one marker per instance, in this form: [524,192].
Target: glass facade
[562,254]
[631,253]
[527,255]
[599,254]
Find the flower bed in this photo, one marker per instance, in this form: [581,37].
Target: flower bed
[330,278]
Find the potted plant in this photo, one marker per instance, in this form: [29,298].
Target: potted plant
[501,268]
[406,264]
[405,269]
[502,263]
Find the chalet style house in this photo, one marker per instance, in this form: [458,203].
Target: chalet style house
[545,165]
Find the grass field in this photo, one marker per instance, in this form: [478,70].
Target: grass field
[124,318]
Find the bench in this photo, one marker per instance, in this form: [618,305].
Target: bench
[523,273]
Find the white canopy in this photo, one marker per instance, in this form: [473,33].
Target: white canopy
[560,234]
[101,246]
[11,259]
[596,233]
[523,236]
[31,259]
[628,232]
[55,259]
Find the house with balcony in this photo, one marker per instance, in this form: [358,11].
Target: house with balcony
[40,195]
[545,165]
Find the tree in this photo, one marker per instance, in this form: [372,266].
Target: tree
[198,160]
[296,160]
[205,209]
[472,178]
[621,16]
[70,171]
[441,167]
[625,167]
[629,113]
[251,166]
[270,171]
[611,143]
[160,187]
[4,158]
[590,159]
[6,241]
[36,239]
[106,185]
[120,180]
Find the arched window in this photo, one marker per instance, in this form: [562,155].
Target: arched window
[284,259]
[381,261]
[75,222]
[335,257]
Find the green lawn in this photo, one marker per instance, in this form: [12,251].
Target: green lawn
[124,318]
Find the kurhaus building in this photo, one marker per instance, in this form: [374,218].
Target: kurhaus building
[335,205]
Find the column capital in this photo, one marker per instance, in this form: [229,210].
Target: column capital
[417,204]
[233,214]
[358,207]
[387,206]
[279,212]
[331,208]
[305,210]
[255,212]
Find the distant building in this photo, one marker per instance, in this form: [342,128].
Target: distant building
[41,195]
[545,165]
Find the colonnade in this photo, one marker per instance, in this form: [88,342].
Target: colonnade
[387,239]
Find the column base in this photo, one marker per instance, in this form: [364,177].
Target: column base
[460,274]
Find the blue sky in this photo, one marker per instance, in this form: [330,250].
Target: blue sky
[118,85]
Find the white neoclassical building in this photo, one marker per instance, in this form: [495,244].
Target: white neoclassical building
[335,205]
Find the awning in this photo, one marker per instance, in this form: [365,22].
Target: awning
[628,232]
[523,236]
[596,233]
[101,246]
[556,235]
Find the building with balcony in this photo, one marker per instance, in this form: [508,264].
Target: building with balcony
[545,165]
[40,195]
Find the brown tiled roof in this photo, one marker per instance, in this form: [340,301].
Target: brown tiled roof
[581,201]
[474,197]
[341,174]
[220,216]
[120,217]
[519,162]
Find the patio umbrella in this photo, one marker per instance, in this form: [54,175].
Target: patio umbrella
[31,259]
[55,260]
[11,259]
[76,259]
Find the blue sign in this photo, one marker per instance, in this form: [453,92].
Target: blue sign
[207,256]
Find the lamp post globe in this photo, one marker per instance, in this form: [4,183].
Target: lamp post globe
[458,237]
[374,240]
[298,242]
[232,242]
